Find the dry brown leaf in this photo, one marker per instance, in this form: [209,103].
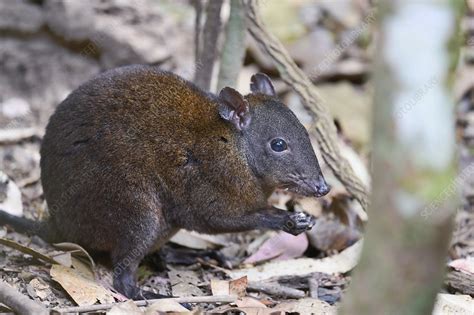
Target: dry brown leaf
[76,251]
[82,290]
[196,240]
[340,263]
[220,287]
[330,235]
[249,302]
[238,287]
[64,259]
[165,305]
[41,288]
[126,308]
[280,247]
[235,287]
[184,283]
[84,269]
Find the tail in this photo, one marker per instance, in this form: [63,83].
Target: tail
[24,225]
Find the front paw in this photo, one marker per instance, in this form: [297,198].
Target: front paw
[298,223]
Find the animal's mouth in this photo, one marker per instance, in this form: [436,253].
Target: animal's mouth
[307,187]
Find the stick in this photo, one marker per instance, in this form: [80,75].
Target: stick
[461,281]
[198,7]
[325,130]
[234,47]
[190,299]
[276,289]
[208,47]
[8,136]
[18,302]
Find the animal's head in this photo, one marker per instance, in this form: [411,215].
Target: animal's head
[277,145]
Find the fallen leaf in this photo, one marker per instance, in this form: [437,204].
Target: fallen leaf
[126,308]
[280,247]
[448,304]
[184,283]
[10,196]
[165,305]
[238,287]
[41,288]
[196,240]
[329,235]
[249,302]
[82,290]
[220,287]
[340,263]
[306,306]
[464,264]
[76,251]
[64,259]
[235,287]
[83,269]
[338,227]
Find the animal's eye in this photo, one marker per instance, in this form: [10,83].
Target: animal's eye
[278,145]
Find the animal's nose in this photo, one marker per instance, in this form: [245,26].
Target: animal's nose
[322,188]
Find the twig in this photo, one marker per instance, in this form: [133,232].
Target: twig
[461,281]
[313,287]
[190,299]
[276,289]
[27,250]
[234,46]
[198,7]
[17,134]
[203,262]
[208,47]
[325,130]
[30,180]
[18,302]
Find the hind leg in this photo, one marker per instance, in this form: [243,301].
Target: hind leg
[126,259]
[127,255]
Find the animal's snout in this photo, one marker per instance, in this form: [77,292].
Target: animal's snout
[321,187]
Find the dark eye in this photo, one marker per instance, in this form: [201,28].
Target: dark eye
[278,145]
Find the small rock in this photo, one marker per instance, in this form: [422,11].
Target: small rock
[20,16]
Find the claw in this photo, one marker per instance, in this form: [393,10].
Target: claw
[298,223]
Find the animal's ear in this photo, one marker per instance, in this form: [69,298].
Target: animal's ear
[234,108]
[261,83]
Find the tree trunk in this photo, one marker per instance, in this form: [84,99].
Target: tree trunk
[414,184]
